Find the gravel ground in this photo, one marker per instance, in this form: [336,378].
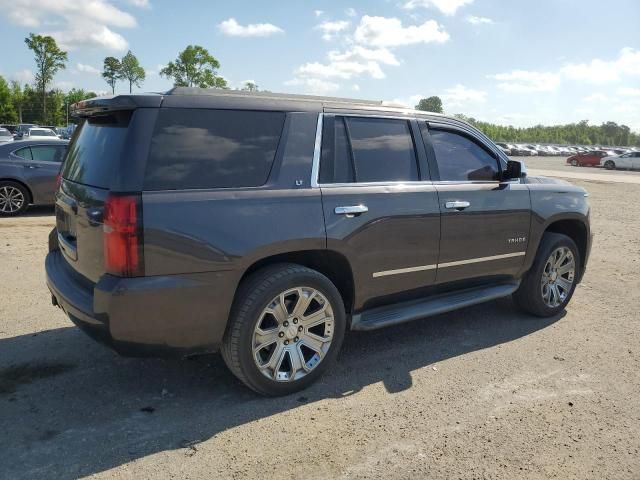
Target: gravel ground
[485,392]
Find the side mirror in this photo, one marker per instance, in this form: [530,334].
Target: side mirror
[515,169]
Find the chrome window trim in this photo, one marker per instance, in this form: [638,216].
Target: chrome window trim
[317,150]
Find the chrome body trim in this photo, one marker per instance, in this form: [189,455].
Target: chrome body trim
[420,268]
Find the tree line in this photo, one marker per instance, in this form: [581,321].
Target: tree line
[196,67]
[581,133]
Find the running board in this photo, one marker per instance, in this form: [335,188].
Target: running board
[406,311]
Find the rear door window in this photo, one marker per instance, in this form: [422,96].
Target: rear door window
[48,153]
[24,153]
[200,148]
[369,150]
[96,149]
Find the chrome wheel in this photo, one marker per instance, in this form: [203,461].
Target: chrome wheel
[11,199]
[558,277]
[293,334]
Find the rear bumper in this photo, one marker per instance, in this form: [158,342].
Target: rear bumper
[176,315]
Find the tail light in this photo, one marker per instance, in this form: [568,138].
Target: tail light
[123,254]
[58,181]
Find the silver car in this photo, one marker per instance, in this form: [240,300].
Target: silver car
[5,135]
[28,171]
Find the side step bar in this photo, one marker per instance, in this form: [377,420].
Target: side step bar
[406,311]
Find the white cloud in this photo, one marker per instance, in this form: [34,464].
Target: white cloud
[459,95]
[140,3]
[359,53]
[331,29]
[25,76]
[599,71]
[473,20]
[596,97]
[389,32]
[232,28]
[81,67]
[340,69]
[78,24]
[629,92]
[350,12]
[448,7]
[521,81]
[318,13]
[355,87]
[314,86]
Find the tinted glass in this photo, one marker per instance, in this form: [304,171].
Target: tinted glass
[197,148]
[98,144]
[460,158]
[48,153]
[382,149]
[24,153]
[336,165]
[5,133]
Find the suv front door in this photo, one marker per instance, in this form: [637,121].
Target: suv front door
[485,222]
[381,210]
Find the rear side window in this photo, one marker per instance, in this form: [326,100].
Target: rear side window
[198,148]
[24,153]
[98,145]
[368,150]
[461,159]
[48,153]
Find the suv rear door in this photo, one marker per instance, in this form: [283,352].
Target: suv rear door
[485,221]
[381,210]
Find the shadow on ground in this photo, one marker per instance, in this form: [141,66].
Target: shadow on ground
[40,211]
[93,410]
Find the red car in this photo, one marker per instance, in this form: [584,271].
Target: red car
[588,159]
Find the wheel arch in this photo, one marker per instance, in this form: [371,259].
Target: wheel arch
[578,231]
[20,182]
[330,263]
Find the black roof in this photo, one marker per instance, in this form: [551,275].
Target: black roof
[187,97]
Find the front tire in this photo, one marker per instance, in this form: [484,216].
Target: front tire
[286,327]
[610,165]
[549,285]
[14,199]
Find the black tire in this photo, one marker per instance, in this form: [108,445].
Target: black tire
[253,296]
[7,184]
[529,297]
[575,163]
[610,165]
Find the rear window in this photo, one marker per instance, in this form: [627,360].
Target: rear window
[197,148]
[96,148]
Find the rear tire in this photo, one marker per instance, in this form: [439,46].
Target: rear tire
[548,286]
[14,199]
[610,165]
[286,327]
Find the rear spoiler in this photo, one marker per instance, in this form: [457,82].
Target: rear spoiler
[97,105]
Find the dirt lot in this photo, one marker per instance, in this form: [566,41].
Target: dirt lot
[481,393]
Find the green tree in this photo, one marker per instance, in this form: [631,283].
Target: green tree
[112,72]
[17,98]
[7,110]
[250,86]
[194,67]
[431,104]
[132,71]
[49,60]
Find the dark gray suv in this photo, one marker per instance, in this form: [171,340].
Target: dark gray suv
[266,225]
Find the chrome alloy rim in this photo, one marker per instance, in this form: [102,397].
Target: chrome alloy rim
[11,199]
[557,277]
[293,334]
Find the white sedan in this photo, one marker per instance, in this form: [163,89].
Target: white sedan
[627,161]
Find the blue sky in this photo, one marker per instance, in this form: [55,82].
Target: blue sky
[519,62]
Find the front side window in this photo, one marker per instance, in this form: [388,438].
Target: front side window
[364,149]
[461,159]
[198,148]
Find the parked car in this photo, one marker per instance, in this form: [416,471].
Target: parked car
[504,148]
[5,135]
[41,132]
[28,171]
[22,129]
[266,225]
[628,161]
[587,159]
